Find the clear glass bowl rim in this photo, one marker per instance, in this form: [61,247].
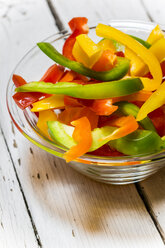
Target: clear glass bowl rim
[142,160]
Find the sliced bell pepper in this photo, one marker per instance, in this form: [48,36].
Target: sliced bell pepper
[157,117]
[44,117]
[68,76]
[18,80]
[52,102]
[79,23]
[140,96]
[103,107]
[83,136]
[86,51]
[155,35]
[107,44]
[148,58]
[53,74]
[88,91]
[143,42]
[126,108]
[126,124]
[72,113]
[156,100]
[138,142]
[24,99]
[158,49]
[137,66]
[119,71]
[72,102]
[106,62]
[78,26]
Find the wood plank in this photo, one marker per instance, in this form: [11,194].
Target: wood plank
[15,225]
[100,10]
[68,209]
[155,10]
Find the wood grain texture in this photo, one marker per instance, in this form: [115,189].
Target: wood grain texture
[100,10]
[155,10]
[68,209]
[15,225]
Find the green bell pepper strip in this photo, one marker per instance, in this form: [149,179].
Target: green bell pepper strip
[138,142]
[119,71]
[127,108]
[89,91]
[143,42]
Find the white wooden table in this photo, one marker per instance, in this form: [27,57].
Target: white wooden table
[43,202]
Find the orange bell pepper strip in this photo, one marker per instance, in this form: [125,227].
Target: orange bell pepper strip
[44,117]
[71,101]
[106,62]
[126,124]
[78,26]
[53,74]
[103,107]
[68,76]
[72,113]
[140,96]
[145,54]
[83,136]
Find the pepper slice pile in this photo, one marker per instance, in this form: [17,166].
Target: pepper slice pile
[98,96]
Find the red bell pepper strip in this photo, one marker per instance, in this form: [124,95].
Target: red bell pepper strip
[24,99]
[83,136]
[79,23]
[18,80]
[53,74]
[78,26]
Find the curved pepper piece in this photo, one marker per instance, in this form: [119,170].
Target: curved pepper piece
[52,102]
[138,142]
[83,136]
[126,108]
[119,71]
[87,91]
[148,58]
[155,35]
[156,100]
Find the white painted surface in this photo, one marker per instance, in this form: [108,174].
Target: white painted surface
[68,209]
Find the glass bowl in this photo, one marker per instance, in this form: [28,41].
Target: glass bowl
[113,170]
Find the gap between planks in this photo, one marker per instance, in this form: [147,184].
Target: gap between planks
[23,195]
[139,188]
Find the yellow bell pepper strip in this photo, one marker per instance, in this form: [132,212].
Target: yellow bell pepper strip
[86,51]
[155,35]
[107,44]
[88,91]
[44,116]
[83,136]
[148,58]
[156,100]
[52,102]
[120,70]
[158,49]
[137,66]
[143,42]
